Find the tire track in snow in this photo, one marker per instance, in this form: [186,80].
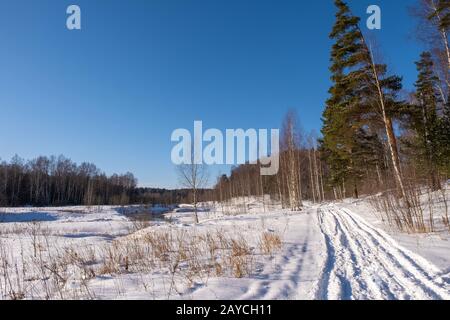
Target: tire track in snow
[415,268]
[359,282]
[375,280]
[285,278]
[379,282]
[322,285]
[282,282]
[380,234]
[364,263]
[341,274]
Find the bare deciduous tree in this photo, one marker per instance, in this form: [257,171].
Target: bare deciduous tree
[291,144]
[432,30]
[194,177]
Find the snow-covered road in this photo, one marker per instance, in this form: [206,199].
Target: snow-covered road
[332,253]
[365,263]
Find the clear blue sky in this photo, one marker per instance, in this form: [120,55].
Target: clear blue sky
[113,92]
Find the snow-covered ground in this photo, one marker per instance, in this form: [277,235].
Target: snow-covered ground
[328,251]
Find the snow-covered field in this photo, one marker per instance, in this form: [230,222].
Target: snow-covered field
[328,251]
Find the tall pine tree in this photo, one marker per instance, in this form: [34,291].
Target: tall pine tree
[362,101]
[338,131]
[425,119]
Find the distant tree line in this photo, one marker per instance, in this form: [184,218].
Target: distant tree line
[157,196]
[58,181]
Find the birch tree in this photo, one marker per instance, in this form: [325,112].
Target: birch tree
[194,177]
[290,146]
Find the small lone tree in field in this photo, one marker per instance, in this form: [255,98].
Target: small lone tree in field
[194,177]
